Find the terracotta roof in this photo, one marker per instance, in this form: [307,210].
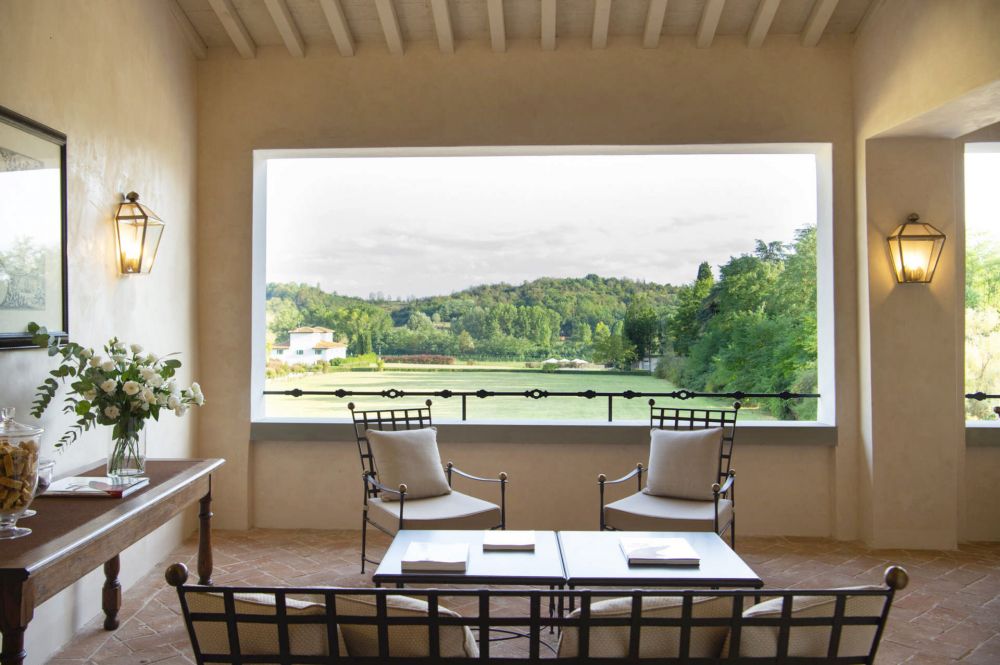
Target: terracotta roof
[330,345]
[279,346]
[310,329]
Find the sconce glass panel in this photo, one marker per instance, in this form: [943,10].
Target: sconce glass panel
[915,249]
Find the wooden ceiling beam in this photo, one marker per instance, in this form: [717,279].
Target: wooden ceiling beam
[442,24]
[194,40]
[278,9]
[654,23]
[334,14]
[709,22]
[816,23]
[498,32]
[390,26]
[761,23]
[548,25]
[233,25]
[602,21]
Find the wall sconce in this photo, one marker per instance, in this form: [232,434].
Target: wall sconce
[915,248]
[138,231]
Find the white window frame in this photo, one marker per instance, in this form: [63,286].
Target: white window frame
[826,415]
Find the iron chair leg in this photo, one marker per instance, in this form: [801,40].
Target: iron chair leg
[364,539]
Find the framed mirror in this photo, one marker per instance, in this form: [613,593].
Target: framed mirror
[33,285]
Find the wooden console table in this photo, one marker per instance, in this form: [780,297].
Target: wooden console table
[72,536]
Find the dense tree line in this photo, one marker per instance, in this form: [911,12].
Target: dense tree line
[547,316]
[754,329]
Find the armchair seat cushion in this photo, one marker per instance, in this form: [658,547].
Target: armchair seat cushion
[449,511]
[663,641]
[404,641]
[644,512]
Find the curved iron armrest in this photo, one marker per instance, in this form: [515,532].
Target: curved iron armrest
[501,478]
[718,491]
[370,480]
[602,480]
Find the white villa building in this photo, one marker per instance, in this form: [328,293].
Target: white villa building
[309,345]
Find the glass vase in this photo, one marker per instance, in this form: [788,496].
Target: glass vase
[127,453]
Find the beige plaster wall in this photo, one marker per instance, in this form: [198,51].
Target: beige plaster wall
[675,94]
[551,486]
[918,57]
[922,69]
[116,78]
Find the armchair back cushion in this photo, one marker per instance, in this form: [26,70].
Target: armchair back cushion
[260,639]
[855,641]
[662,641]
[404,641]
[408,457]
[684,464]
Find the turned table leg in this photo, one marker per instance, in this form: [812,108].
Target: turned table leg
[111,595]
[205,538]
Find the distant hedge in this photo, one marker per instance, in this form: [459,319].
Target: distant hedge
[421,359]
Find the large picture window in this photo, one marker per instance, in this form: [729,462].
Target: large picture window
[514,270]
[982,277]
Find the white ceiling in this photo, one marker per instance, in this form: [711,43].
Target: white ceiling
[217,23]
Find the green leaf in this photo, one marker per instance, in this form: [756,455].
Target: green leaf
[82,407]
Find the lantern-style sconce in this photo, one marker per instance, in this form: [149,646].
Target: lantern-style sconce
[138,231]
[915,248]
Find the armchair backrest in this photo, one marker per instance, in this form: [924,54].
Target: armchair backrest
[661,417]
[384,419]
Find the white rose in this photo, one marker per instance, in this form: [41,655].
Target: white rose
[86,353]
[199,399]
[162,399]
[131,387]
[118,357]
[112,412]
[173,402]
[108,366]
[147,373]
[136,348]
[145,406]
[148,396]
[195,389]
[155,381]
[109,386]
[96,361]
[181,410]
[118,346]
[90,395]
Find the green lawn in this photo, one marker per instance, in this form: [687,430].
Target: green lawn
[492,408]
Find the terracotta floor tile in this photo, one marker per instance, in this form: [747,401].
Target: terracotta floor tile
[950,613]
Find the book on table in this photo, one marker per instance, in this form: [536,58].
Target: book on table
[96,486]
[509,541]
[437,557]
[659,551]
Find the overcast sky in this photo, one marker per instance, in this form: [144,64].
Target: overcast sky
[982,193]
[434,225]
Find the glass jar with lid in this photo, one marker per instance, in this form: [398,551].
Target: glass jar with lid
[19,445]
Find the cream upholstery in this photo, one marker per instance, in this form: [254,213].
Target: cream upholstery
[683,464]
[408,456]
[663,641]
[451,511]
[404,641]
[644,512]
[259,639]
[811,640]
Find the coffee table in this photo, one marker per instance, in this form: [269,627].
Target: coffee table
[543,567]
[595,558]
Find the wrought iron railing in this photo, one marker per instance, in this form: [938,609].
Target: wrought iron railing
[538,393]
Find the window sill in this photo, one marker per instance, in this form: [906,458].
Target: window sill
[542,432]
[982,434]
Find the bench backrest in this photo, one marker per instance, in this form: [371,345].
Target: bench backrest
[323,624]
